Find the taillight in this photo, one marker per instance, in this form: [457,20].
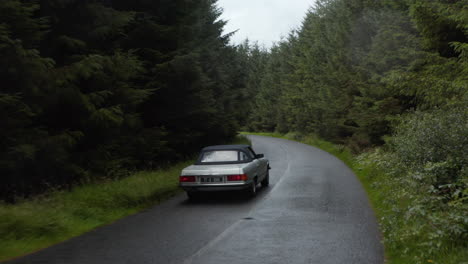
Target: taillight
[187,179]
[241,177]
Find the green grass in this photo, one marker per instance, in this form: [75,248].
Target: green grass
[34,224]
[381,189]
[31,225]
[241,140]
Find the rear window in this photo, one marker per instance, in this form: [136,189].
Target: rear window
[219,156]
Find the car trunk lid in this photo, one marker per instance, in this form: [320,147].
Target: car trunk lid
[207,170]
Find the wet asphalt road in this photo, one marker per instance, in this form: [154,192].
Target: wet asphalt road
[315,211]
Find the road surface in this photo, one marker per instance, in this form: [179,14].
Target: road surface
[315,211]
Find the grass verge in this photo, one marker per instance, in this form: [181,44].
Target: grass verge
[34,224]
[31,225]
[401,242]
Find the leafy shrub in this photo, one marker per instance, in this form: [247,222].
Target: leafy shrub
[425,184]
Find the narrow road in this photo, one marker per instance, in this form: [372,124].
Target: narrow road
[315,211]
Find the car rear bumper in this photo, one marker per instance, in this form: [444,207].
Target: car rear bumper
[215,187]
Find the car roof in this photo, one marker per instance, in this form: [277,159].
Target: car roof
[226,147]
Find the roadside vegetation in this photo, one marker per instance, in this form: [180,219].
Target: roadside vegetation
[30,225]
[420,223]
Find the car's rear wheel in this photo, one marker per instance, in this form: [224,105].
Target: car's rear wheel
[192,195]
[266,181]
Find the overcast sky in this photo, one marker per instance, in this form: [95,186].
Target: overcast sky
[265,21]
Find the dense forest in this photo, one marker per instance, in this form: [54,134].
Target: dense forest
[388,79]
[94,89]
[355,66]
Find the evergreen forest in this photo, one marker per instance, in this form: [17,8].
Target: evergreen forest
[388,81]
[98,89]
[354,68]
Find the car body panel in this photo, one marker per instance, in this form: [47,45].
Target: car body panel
[194,170]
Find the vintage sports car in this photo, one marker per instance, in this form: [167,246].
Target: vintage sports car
[226,167]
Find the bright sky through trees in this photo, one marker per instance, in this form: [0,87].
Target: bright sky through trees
[265,21]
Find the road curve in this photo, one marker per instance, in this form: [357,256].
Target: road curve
[315,211]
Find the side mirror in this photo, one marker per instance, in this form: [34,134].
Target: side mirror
[259,156]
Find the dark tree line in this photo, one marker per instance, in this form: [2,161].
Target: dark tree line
[97,88]
[355,66]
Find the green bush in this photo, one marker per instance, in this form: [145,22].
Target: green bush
[426,181]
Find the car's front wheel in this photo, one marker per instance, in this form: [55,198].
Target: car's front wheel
[266,181]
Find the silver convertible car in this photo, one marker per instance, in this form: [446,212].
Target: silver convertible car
[226,167]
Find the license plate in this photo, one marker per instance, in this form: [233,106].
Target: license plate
[211,179]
